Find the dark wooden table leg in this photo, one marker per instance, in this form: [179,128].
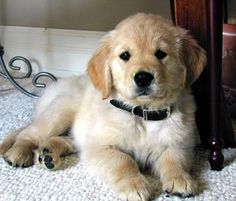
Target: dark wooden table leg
[214,50]
[204,20]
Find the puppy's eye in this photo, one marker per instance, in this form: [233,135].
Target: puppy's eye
[160,54]
[125,56]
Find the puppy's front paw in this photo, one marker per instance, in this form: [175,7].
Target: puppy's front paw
[20,155]
[182,185]
[134,188]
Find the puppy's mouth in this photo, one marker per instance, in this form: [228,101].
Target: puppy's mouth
[144,92]
[148,92]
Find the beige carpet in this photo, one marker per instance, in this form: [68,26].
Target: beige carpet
[73,182]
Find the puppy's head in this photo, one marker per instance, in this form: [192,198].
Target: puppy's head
[146,61]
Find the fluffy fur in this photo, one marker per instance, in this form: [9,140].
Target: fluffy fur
[113,143]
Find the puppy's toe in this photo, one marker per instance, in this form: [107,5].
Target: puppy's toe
[134,189]
[7,144]
[181,186]
[19,156]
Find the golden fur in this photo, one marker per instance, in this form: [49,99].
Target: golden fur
[113,143]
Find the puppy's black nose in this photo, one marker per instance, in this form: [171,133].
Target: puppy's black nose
[143,79]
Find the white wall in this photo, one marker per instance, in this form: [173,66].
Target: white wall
[60,51]
[66,52]
[99,15]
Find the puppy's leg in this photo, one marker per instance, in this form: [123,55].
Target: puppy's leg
[53,121]
[173,168]
[120,171]
[52,149]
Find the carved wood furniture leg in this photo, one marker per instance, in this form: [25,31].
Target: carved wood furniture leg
[204,20]
[214,50]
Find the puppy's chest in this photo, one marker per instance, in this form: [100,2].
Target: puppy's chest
[149,135]
[148,129]
[147,140]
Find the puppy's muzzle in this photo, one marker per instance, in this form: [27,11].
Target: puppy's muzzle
[143,79]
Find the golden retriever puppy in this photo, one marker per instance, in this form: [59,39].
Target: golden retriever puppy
[133,110]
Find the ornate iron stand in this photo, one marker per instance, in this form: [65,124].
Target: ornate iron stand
[6,74]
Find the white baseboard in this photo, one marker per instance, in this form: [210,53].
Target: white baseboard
[61,52]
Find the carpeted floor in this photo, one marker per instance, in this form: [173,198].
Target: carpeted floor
[73,182]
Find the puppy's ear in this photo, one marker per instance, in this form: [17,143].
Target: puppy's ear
[99,70]
[193,57]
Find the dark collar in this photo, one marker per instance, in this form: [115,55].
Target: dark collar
[151,115]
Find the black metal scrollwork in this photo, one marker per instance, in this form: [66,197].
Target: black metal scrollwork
[5,74]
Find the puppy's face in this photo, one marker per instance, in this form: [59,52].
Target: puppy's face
[146,61]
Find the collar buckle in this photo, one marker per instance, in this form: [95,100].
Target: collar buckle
[168,112]
[145,113]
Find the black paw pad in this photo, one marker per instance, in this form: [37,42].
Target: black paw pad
[47,159]
[167,192]
[8,162]
[49,165]
[24,166]
[178,195]
[45,150]
[189,195]
[40,159]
